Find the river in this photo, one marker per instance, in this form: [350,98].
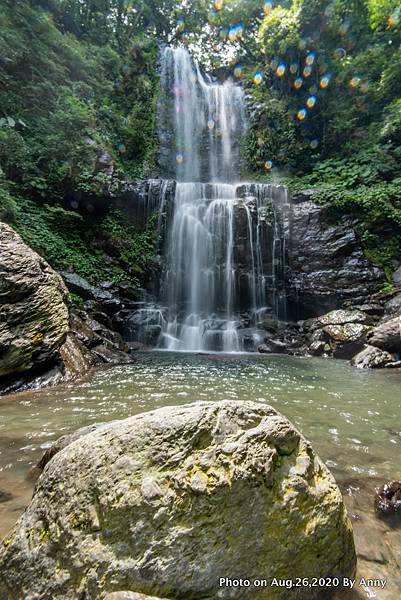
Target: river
[352,418]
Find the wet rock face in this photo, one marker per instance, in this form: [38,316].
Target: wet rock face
[167,502]
[34,318]
[326,260]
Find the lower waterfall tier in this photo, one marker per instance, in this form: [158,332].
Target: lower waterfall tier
[224,256]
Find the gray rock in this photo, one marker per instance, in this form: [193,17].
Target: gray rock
[387,336]
[397,276]
[393,307]
[34,318]
[167,502]
[372,358]
[111,355]
[342,317]
[317,348]
[343,331]
[278,346]
[80,286]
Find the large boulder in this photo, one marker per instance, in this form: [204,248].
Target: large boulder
[34,317]
[341,333]
[387,336]
[373,358]
[167,502]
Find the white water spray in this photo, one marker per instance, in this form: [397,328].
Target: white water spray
[215,281]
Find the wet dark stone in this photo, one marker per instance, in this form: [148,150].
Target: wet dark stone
[388,499]
[5,496]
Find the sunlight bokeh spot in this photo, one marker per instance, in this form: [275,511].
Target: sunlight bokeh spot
[310,59]
[355,81]
[324,82]
[180,24]
[258,79]
[293,68]
[210,124]
[223,34]
[301,115]
[179,158]
[268,165]
[268,7]
[394,19]
[232,34]
[281,70]
[298,83]
[238,71]
[314,144]
[307,71]
[340,53]
[218,4]
[239,30]
[311,101]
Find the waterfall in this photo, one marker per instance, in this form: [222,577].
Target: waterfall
[224,255]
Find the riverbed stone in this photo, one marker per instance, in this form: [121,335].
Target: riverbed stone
[167,502]
[387,336]
[372,358]
[34,317]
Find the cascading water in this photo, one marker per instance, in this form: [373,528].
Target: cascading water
[225,254]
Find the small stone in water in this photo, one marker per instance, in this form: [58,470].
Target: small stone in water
[388,499]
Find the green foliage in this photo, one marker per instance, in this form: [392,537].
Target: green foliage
[382,12]
[135,249]
[76,299]
[81,99]
[8,207]
[112,249]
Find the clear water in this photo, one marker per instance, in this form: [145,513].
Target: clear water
[353,419]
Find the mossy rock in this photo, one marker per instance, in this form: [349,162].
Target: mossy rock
[168,502]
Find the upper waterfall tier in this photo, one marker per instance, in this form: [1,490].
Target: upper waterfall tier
[201,121]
